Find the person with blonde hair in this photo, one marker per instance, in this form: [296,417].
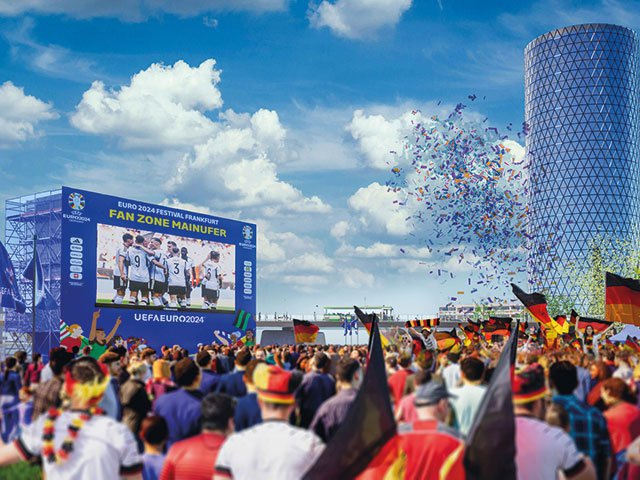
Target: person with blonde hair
[133,397]
[78,441]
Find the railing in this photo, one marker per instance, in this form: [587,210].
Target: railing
[318,317]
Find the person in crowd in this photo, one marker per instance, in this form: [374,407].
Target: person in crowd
[47,394]
[623,421]
[623,369]
[161,382]
[433,450]
[247,409]
[467,398]
[557,416]
[272,449]
[451,373]
[133,398]
[102,448]
[406,411]
[399,383]
[148,356]
[10,398]
[316,387]
[587,425]
[599,372]
[195,457]
[391,365]
[181,407]
[232,383]
[33,370]
[110,402]
[542,450]
[153,434]
[223,362]
[21,358]
[333,411]
[210,379]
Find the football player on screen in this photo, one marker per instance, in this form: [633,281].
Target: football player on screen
[177,278]
[212,280]
[158,272]
[120,270]
[190,273]
[138,274]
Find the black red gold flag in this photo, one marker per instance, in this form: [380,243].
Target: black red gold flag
[425,323]
[535,303]
[305,331]
[367,320]
[596,324]
[491,444]
[366,436]
[622,299]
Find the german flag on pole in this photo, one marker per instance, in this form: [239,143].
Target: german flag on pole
[582,323]
[305,331]
[367,320]
[426,323]
[535,303]
[622,299]
[491,444]
[367,437]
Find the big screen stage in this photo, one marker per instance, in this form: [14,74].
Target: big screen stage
[118,253]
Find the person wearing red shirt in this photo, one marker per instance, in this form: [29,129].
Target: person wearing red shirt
[623,420]
[398,381]
[195,457]
[433,450]
[32,373]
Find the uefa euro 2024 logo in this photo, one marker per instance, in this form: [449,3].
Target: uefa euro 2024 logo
[76,201]
[247,232]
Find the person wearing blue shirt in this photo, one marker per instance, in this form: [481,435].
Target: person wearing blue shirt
[247,409]
[587,426]
[210,379]
[9,398]
[232,383]
[316,387]
[181,408]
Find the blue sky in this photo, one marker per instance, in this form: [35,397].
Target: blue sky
[275,111]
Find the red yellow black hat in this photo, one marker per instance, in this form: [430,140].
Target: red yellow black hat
[274,384]
[529,385]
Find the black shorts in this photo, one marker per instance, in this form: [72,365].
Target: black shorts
[210,294]
[158,287]
[117,283]
[138,286]
[175,290]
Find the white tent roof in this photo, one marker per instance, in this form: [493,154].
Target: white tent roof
[627,331]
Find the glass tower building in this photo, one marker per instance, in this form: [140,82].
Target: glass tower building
[582,148]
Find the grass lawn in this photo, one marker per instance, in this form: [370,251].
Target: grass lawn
[21,471]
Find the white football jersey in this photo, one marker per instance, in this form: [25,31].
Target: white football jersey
[157,273]
[211,272]
[177,272]
[138,264]
[121,252]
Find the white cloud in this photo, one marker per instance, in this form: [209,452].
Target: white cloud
[383,250]
[305,282]
[356,278]
[357,18]
[377,137]
[162,107]
[20,113]
[340,229]
[234,167]
[135,10]
[376,209]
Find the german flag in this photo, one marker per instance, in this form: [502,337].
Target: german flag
[491,444]
[426,323]
[367,438]
[596,324]
[471,330]
[496,326]
[535,303]
[632,344]
[622,299]
[367,320]
[305,331]
[448,341]
[560,324]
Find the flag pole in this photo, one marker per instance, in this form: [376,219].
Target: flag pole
[33,296]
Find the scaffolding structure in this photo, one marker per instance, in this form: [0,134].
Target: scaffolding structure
[39,215]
